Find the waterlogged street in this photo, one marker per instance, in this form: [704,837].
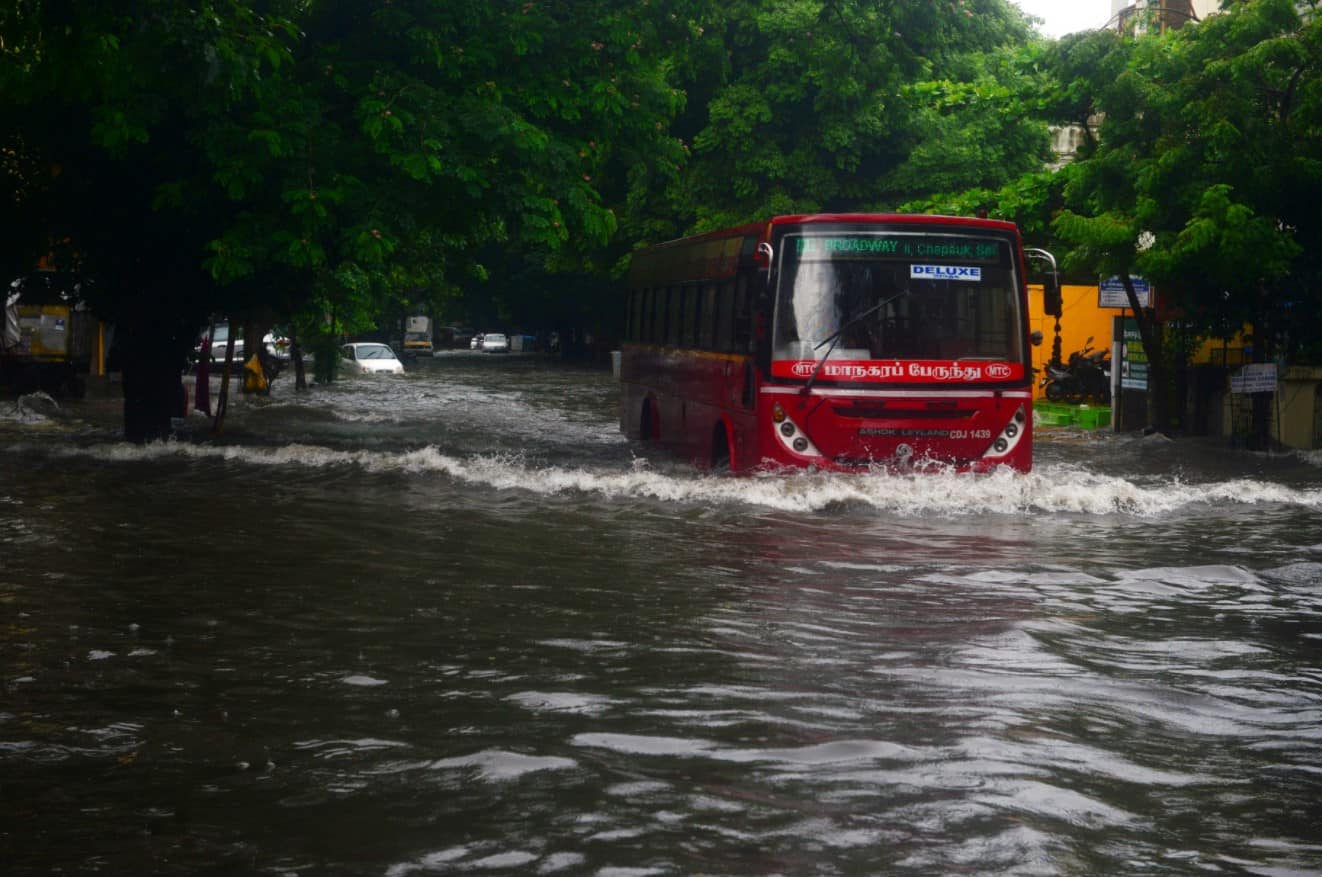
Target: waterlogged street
[453,622]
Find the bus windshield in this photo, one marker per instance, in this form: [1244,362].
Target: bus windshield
[897,295]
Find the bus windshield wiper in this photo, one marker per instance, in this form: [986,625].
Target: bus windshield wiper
[834,338]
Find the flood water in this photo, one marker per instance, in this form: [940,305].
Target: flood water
[455,623]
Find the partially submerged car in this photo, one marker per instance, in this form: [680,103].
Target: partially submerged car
[494,342]
[369,358]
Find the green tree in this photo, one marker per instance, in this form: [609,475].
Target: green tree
[1207,176]
[827,105]
[1046,82]
[1079,68]
[103,102]
[330,160]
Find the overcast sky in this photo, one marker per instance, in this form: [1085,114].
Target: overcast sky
[1067,16]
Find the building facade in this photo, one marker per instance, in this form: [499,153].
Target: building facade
[1158,16]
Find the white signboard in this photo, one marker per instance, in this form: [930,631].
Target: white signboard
[1111,292]
[1260,377]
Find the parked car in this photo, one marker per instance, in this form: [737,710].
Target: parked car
[494,342]
[370,357]
[418,336]
[218,341]
[476,342]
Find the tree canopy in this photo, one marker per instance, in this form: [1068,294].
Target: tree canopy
[331,162]
[799,106]
[326,157]
[1208,171]
[334,163]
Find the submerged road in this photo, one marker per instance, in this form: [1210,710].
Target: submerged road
[453,622]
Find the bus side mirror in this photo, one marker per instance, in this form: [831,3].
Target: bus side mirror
[1052,301]
[765,258]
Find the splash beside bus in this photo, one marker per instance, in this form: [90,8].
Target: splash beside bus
[839,341]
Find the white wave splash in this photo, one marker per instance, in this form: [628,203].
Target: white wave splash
[1056,488]
[1312,458]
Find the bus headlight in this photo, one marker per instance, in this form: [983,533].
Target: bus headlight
[790,436]
[1011,434]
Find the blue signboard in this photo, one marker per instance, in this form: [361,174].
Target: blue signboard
[1111,292]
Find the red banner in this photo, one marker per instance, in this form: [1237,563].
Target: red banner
[898,371]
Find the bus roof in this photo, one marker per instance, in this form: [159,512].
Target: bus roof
[759,229]
[899,218]
[716,254]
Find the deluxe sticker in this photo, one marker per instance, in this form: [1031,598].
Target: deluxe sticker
[946,272]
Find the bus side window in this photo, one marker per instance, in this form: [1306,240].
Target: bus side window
[743,318]
[674,310]
[639,316]
[642,315]
[644,319]
[725,318]
[658,332]
[707,326]
[691,301]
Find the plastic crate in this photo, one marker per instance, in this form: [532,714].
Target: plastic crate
[1092,418]
[1052,414]
[1044,416]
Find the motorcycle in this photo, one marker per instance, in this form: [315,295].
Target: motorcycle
[1086,377]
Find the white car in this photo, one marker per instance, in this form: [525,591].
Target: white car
[218,341]
[370,358]
[494,342]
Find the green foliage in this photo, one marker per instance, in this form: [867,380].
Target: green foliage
[327,158]
[102,99]
[974,133]
[1211,148]
[1079,68]
[809,105]
[344,163]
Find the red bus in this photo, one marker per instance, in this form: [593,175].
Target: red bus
[838,341]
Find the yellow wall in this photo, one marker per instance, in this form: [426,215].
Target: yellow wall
[1080,318]
[1218,352]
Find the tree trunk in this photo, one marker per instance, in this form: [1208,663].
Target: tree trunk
[1149,330]
[153,387]
[1264,350]
[1259,438]
[296,356]
[218,424]
[202,384]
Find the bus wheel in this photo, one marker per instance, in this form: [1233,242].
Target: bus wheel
[720,449]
